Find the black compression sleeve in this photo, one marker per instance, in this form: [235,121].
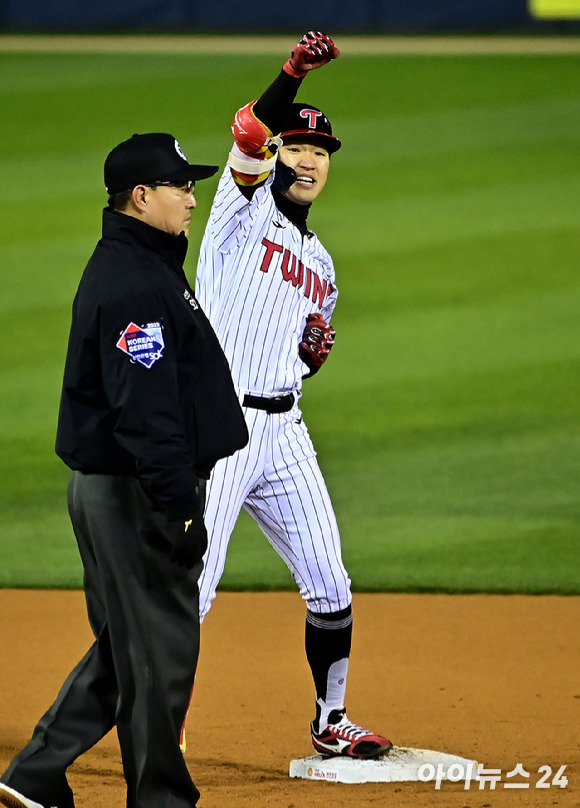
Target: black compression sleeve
[274,104]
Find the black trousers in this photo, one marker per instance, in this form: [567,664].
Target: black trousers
[138,675]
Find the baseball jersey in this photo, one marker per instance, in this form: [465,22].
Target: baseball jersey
[258,279]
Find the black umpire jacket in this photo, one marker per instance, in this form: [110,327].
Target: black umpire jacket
[147,390]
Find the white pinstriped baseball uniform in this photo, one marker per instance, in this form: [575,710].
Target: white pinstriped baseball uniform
[258,278]
[267,285]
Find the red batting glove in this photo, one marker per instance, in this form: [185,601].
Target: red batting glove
[317,341]
[315,49]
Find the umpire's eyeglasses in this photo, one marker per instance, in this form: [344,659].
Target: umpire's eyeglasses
[184,188]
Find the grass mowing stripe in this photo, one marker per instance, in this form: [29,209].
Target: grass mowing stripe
[355,45]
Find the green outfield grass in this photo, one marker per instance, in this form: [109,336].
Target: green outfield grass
[448,417]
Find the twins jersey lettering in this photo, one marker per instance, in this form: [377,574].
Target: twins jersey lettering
[294,271]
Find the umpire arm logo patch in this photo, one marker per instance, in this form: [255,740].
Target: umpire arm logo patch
[143,343]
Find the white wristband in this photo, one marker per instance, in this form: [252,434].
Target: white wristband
[247,165]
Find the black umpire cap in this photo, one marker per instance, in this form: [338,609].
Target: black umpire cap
[152,157]
[309,121]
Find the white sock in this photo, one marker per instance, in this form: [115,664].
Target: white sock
[335,691]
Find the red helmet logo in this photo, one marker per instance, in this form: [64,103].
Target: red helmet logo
[311,115]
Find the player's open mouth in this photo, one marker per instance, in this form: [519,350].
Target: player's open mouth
[306,180]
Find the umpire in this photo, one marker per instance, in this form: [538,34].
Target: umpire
[147,409]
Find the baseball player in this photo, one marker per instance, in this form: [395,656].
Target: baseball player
[268,287]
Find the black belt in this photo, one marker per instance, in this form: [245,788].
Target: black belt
[271,405]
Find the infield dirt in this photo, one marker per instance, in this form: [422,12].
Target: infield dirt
[494,678]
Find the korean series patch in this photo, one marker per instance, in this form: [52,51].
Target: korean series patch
[143,343]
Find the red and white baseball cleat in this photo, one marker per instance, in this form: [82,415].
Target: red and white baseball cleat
[341,737]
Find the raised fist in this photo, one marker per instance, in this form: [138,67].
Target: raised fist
[315,49]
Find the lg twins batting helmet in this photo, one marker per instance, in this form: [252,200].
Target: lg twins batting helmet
[309,121]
